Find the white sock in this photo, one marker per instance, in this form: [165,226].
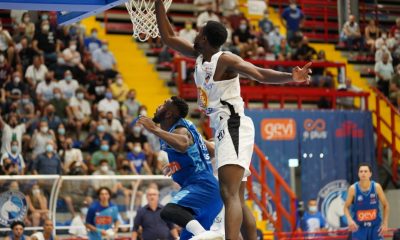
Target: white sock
[194,227]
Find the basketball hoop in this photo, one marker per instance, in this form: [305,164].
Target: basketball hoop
[143,18]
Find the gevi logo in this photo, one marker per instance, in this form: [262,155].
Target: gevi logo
[278,129]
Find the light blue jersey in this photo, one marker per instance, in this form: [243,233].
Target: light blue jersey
[102,218]
[195,163]
[199,188]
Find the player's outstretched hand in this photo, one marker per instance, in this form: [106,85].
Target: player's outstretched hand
[353,226]
[147,123]
[302,74]
[382,229]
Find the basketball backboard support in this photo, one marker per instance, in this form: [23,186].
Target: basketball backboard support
[68,11]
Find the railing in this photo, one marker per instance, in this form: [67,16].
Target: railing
[390,128]
[53,185]
[280,186]
[269,93]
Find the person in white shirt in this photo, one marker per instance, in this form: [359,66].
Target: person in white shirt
[188,33]
[384,72]
[108,104]
[206,16]
[44,90]
[351,34]
[71,57]
[11,131]
[15,156]
[36,72]
[114,127]
[68,85]
[70,155]
[80,111]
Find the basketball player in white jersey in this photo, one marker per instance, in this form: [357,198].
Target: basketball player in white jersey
[217,80]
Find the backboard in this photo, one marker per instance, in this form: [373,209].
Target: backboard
[69,11]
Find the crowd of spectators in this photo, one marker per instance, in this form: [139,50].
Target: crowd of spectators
[383,46]
[65,109]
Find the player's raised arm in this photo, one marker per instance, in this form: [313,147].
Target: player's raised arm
[167,34]
[262,75]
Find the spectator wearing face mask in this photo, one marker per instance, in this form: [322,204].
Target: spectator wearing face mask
[40,139]
[114,127]
[59,105]
[351,34]
[38,205]
[137,159]
[384,72]
[244,40]
[47,162]
[313,221]
[104,61]
[188,33]
[292,18]
[97,89]
[13,130]
[45,89]
[15,88]
[15,158]
[93,141]
[49,115]
[130,107]
[92,43]
[79,111]
[36,72]
[207,15]
[71,155]
[108,104]
[68,85]
[136,135]
[119,89]
[104,153]
[45,42]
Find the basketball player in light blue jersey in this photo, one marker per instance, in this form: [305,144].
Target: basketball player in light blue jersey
[364,197]
[198,202]
[102,217]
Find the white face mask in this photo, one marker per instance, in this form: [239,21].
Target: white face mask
[104,168]
[72,47]
[84,210]
[119,81]
[313,209]
[143,113]
[137,149]
[44,129]
[17,79]
[36,191]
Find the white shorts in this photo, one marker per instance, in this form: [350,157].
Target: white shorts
[234,142]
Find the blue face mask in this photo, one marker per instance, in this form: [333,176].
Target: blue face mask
[109,95]
[104,148]
[61,131]
[14,148]
[101,128]
[49,148]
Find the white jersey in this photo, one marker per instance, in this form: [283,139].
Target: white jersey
[212,94]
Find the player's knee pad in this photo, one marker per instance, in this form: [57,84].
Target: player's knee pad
[176,214]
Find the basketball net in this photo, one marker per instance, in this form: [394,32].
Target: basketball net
[143,17]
